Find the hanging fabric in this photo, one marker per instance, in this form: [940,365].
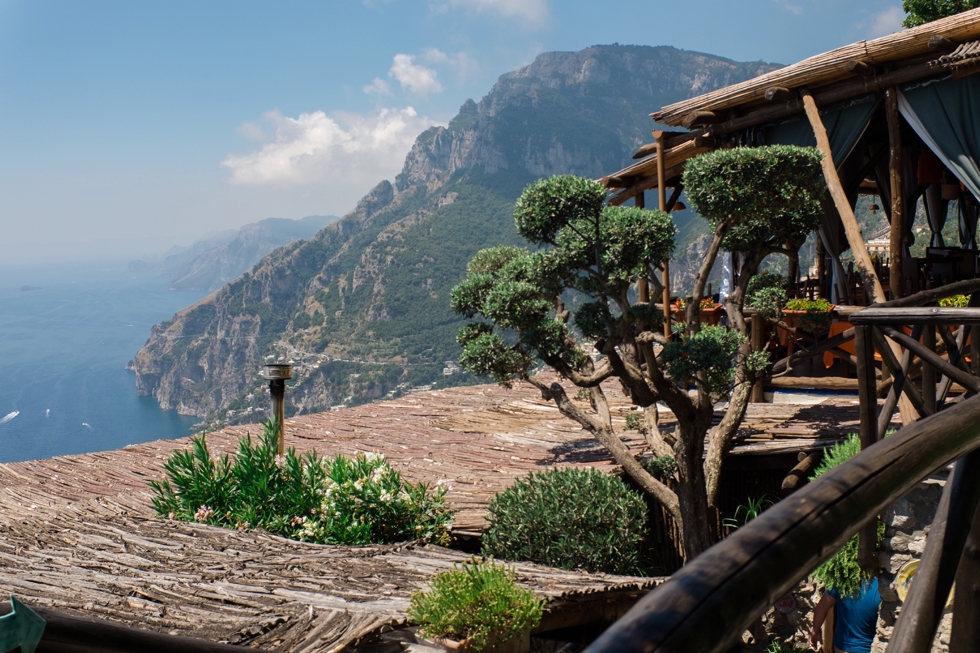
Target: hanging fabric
[944,114]
[911,186]
[936,209]
[969,211]
[845,122]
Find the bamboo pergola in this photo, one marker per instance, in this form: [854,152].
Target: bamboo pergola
[717,118]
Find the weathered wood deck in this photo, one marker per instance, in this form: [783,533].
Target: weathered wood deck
[77,533]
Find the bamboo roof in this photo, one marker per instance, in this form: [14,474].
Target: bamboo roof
[830,67]
[947,45]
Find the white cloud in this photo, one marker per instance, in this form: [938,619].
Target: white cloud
[378,86]
[789,6]
[533,11]
[461,63]
[338,150]
[414,78]
[886,22]
[252,131]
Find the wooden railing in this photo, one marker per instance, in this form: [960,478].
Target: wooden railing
[706,605]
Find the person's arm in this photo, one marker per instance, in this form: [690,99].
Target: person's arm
[819,616]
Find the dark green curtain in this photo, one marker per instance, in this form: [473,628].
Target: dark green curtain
[946,115]
[845,123]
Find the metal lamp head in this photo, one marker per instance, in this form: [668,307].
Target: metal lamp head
[277,372]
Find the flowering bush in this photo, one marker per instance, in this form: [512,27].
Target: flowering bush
[340,500]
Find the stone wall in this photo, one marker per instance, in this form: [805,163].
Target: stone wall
[906,526]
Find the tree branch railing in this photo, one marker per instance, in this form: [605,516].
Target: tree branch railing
[706,605]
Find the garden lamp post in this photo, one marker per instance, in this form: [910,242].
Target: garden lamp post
[276,374]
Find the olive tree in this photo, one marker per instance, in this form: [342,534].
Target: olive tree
[920,12]
[757,201]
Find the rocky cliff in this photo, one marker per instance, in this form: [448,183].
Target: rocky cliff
[362,308]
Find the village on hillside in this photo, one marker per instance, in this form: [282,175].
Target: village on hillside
[761,460]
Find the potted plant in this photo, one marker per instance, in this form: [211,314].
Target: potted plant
[477,606]
[808,315]
[710,311]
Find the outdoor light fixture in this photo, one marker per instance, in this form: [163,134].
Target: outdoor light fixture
[277,374]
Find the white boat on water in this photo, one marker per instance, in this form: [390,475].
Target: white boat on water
[9,416]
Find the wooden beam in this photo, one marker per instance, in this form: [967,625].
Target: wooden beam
[779,94]
[862,261]
[967,380]
[938,315]
[700,119]
[858,67]
[662,202]
[642,284]
[672,157]
[965,635]
[671,139]
[923,297]
[836,93]
[941,43]
[896,235]
[644,183]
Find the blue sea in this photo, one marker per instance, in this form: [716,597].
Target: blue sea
[66,334]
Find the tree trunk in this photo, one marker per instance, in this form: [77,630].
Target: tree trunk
[699,527]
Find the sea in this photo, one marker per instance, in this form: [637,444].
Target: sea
[66,334]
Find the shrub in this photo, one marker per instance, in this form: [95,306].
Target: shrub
[842,571]
[634,422]
[476,601]
[569,518]
[956,301]
[663,468]
[342,500]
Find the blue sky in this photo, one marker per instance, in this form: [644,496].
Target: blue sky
[127,127]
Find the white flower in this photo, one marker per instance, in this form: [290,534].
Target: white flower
[280,461]
[203,513]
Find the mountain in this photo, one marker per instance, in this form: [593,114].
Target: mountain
[228,255]
[362,308]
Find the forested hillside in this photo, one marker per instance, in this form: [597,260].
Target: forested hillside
[363,306]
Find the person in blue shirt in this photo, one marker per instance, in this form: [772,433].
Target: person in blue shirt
[856,619]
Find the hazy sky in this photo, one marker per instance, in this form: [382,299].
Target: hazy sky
[127,127]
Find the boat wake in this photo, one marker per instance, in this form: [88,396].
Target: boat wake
[9,416]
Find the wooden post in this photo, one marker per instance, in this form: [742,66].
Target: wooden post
[758,390]
[277,374]
[928,371]
[897,233]
[854,238]
[820,266]
[948,534]
[642,285]
[868,431]
[869,280]
[965,637]
[828,631]
[662,203]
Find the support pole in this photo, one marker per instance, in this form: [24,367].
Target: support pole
[965,636]
[866,270]
[642,285]
[928,371]
[758,395]
[662,202]
[868,400]
[896,249]
[950,528]
[277,388]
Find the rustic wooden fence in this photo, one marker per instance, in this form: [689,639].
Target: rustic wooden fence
[711,601]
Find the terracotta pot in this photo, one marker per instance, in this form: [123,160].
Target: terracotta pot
[794,319]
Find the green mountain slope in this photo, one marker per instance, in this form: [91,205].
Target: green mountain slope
[362,308]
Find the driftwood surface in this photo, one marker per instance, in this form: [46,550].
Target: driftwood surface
[77,533]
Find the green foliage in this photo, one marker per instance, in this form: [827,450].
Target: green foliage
[598,251]
[634,421]
[663,468]
[769,195]
[925,11]
[839,453]
[748,511]
[342,500]
[842,571]
[569,518]
[548,205]
[766,293]
[802,304]
[710,353]
[478,602]
[956,301]
[781,647]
